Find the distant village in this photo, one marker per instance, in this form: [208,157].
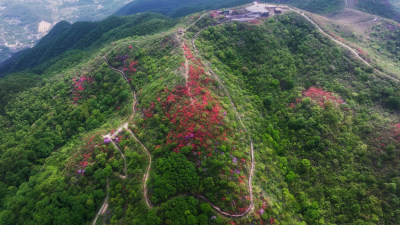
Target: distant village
[249,14]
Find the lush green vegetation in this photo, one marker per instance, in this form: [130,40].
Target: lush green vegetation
[325,128]
[176,8]
[336,167]
[382,8]
[386,39]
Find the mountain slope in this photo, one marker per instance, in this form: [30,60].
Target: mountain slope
[65,37]
[176,8]
[23,23]
[382,8]
[239,123]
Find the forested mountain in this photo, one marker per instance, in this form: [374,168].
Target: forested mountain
[107,30]
[24,22]
[147,119]
[383,8]
[176,8]
[82,36]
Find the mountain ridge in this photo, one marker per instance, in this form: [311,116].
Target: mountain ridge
[325,140]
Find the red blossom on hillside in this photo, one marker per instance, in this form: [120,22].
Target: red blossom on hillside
[319,96]
[194,111]
[79,87]
[396,132]
[196,119]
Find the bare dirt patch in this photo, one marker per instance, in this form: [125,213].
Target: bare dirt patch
[359,23]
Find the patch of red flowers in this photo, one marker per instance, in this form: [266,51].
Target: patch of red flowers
[196,119]
[85,156]
[256,22]
[195,114]
[80,84]
[149,112]
[188,53]
[396,132]
[319,96]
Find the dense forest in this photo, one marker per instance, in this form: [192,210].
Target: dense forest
[382,8]
[338,165]
[176,8]
[324,127]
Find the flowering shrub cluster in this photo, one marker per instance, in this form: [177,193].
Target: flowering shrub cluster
[256,21]
[86,155]
[80,84]
[149,112]
[319,96]
[396,132]
[197,120]
[335,36]
[195,114]
[128,66]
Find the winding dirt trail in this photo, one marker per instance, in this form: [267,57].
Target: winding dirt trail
[126,127]
[112,138]
[146,175]
[103,208]
[221,83]
[354,51]
[251,206]
[329,36]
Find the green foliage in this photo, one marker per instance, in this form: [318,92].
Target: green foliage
[382,8]
[385,39]
[326,151]
[178,175]
[315,163]
[176,8]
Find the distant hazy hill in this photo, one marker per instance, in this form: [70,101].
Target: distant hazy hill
[22,23]
[79,36]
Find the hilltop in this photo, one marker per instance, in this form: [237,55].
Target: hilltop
[201,119]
